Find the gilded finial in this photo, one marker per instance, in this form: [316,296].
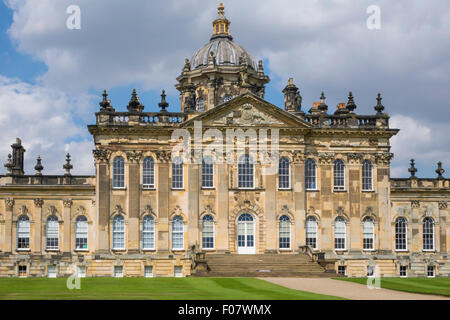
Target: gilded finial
[221,9]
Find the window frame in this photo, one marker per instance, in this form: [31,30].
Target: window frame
[119,160]
[151,233]
[344,222]
[433,270]
[287,175]
[210,219]
[52,219]
[397,239]
[308,176]
[148,173]
[78,232]
[175,221]
[180,167]
[116,232]
[311,219]
[372,233]
[208,174]
[433,235]
[339,188]
[20,220]
[284,221]
[251,168]
[401,269]
[364,169]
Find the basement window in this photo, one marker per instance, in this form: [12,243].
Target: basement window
[403,271]
[178,272]
[118,272]
[148,272]
[430,271]
[22,271]
[342,270]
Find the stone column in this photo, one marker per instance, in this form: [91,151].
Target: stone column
[67,226]
[384,202]
[133,185]
[9,205]
[103,190]
[443,218]
[193,192]
[37,241]
[163,201]
[415,227]
[298,187]
[270,183]
[222,207]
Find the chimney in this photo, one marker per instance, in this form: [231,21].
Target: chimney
[292,98]
[18,152]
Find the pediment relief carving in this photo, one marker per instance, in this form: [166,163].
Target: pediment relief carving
[245,115]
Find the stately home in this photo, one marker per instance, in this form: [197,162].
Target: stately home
[329,207]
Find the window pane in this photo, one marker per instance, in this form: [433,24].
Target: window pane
[148,233]
[119,173]
[52,233]
[310,175]
[208,232]
[284,174]
[311,232]
[368,234]
[81,233]
[148,174]
[339,175]
[428,234]
[177,174]
[285,232]
[400,234]
[339,233]
[119,233]
[177,233]
[367,180]
[246,170]
[23,233]
[207,172]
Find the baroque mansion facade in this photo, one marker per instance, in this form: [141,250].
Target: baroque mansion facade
[149,213]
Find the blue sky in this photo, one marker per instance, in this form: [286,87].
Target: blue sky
[49,72]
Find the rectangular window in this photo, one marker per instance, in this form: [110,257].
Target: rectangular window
[368,237]
[339,176]
[23,236]
[339,236]
[430,271]
[178,272]
[177,175]
[81,271]
[403,271]
[208,173]
[22,271]
[118,271]
[51,271]
[342,270]
[370,271]
[148,174]
[148,272]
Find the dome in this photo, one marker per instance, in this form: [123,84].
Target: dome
[226,52]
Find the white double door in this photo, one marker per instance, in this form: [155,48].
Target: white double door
[246,234]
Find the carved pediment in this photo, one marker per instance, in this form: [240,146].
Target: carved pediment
[248,110]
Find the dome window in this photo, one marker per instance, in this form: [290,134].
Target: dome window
[227,98]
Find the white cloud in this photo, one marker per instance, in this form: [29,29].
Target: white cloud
[45,121]
[424,142]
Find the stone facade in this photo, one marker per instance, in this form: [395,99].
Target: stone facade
[230,88]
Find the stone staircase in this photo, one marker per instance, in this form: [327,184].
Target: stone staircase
[263,265]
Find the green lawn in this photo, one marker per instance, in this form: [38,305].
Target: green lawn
[439,286]
[153,289]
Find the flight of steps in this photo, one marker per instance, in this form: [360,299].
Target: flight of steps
[264,265]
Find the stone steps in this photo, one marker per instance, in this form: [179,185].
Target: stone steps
[267,265]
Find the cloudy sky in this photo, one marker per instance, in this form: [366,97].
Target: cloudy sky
[51,78]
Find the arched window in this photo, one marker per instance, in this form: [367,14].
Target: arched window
[148,173]
[148,233]
[119,233]
[311,232]
[428,234]
[368,234]
[23,233]
[227,98]
[285,232]
[208,232]
[81,233]
[310,174]
[284,174]
[367,176]
[339,233]
[339,175]
[177,173]
[118,173]
[208,172]
[52,233]
[246,171]
[177,233]
[400,234]
[200,104]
